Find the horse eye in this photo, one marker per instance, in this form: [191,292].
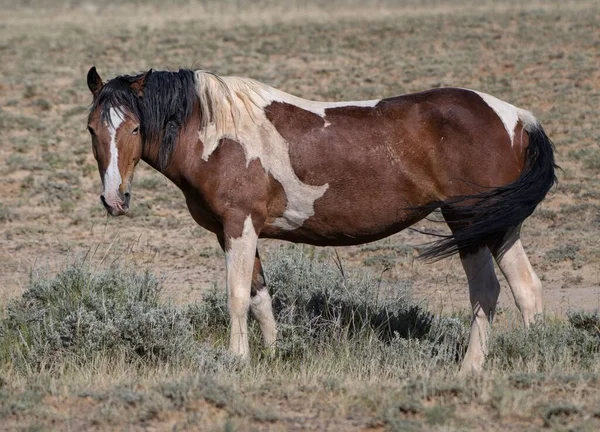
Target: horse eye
[91,131]
[135,131]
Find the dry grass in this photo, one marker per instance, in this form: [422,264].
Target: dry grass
[542,56]
[344,360]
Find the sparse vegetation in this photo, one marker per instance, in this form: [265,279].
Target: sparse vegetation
[7,214]
[81,313]
[387,359]
[82,347]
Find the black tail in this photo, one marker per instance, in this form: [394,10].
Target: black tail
[484,218]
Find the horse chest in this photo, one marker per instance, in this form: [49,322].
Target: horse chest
[200,211]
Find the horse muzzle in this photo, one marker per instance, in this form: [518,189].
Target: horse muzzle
[117,205]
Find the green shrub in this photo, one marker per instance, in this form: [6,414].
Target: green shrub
[316,304]
[546,346]
[80,314]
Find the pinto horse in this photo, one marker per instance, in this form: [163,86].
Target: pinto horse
[254,161]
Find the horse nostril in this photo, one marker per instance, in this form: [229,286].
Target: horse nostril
[103,199]
[126,197]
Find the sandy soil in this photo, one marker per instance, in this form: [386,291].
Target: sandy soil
[49,186]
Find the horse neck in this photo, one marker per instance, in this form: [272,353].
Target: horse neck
[150,156]
[187,137]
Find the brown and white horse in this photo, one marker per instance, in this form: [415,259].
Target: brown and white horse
[253,161]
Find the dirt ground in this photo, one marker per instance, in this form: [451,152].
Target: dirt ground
[542,56]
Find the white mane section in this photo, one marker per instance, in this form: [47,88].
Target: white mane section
[225,102]
[232,108]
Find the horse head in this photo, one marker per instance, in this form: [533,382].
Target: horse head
[117,140]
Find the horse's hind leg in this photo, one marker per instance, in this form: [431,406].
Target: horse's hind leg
[524,283]
[261,306]
[484,289]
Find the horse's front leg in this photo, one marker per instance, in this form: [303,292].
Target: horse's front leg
[239,240]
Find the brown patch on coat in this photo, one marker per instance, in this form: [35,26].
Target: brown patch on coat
[130,151]
[99,135]
[381,162]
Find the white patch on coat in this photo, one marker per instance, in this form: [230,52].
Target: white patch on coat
[509,114]
[237,112]
[316,107]
[239,260]
[112,176]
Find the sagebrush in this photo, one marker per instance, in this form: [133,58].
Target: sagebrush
[81,314]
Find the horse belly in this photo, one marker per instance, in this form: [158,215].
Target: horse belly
[356,209]
[354,181]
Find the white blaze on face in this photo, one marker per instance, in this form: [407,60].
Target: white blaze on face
[112,176]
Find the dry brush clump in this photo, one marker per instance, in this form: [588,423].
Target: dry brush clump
[344,335]
[81,314]
[318,305]
[553,345]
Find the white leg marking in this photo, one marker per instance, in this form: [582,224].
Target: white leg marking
[112,176]
[262,309]
[239,260]
[524,283]
[484,289]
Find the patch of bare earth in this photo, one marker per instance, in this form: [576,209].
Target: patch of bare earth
[542,56]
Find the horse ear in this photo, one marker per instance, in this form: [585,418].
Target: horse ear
[94,81]
[139,85]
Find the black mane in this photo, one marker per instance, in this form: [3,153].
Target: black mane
[163,109]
